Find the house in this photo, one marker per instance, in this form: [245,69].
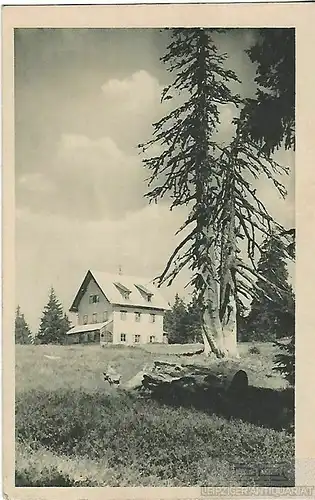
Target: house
[117,309]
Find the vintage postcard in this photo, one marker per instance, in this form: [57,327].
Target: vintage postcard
[158,251]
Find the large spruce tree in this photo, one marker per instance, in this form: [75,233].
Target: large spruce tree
[214,180]
[272,313]
[54,323]
[22,331]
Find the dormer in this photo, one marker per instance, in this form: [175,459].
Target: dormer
[123,290]
[146,294]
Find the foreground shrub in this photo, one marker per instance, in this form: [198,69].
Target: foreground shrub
[159,441]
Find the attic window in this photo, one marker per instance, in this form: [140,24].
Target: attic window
[94,299]
[145,292]
[124,291]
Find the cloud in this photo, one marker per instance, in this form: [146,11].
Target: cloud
[136,95]
[35,182]
[140,242]
[131,105]
[89,176]
[87,180]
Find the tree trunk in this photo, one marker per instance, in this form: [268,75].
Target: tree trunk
[212,329]
[227,275]
[229,328]
[219,337]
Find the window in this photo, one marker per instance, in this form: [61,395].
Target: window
[94,299]
[105,315]
[85,319]
[137,339]
[123,337]
[94,320]
[137,316]
[152,339]
[123,315]
[152,318]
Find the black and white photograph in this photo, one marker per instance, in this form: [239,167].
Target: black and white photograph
[154,257]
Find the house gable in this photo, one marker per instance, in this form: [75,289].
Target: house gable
[93,306]
[83,290]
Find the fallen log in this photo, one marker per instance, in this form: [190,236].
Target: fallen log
[225,378]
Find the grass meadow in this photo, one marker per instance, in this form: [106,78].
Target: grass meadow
[73,429]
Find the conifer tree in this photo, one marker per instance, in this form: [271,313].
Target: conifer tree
[213,180]
[182,323]
[54,323]
[22,331]
[270,115]
[272,315]
[195,320]
[270,122]
[176,322]
[285,360]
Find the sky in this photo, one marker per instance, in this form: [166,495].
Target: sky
[84,99]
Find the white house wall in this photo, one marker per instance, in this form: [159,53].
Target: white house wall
[85,308]
[130,327]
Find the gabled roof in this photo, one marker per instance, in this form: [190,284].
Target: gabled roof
[108,284]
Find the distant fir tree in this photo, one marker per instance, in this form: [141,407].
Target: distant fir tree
[272,309]
[66,325]
[183,323]
[195,320]
[22,331]
[54,323]
[176,322]
[241,320]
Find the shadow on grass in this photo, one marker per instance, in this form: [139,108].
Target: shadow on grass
[269,408]
[49,477]
[26,478]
